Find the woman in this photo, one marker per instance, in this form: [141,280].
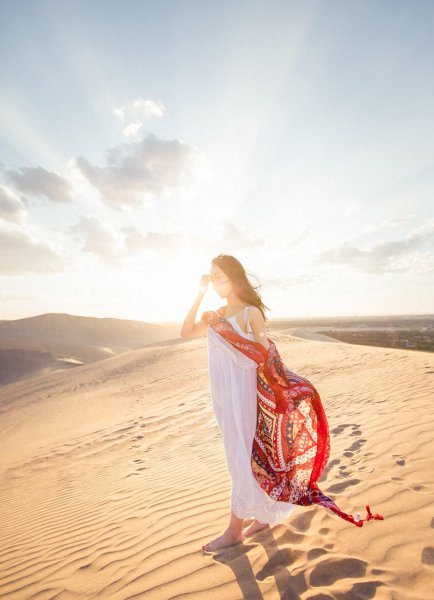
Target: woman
[232,379]
[274,428]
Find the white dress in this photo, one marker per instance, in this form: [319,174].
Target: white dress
[232,378]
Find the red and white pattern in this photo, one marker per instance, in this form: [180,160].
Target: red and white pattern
[291,446]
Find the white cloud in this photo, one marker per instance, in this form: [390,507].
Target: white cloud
[149,108]
[37,181]
[11,207]
[97,237]
[394,256]
[134,170]
[166,244]
[285,282]
[119,112]
[236,238]
[20,254]
[110,247]
[132,129]
[134,113]
[378,227]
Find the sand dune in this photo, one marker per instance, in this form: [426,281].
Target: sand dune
[310,334]
[113,476]
[46,343]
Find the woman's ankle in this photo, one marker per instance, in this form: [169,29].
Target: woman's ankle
[235,532]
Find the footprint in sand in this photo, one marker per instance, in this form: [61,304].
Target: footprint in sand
[330,570]
[341,487]
[417,488]
[328,468]
[303,521]
[315,552]
[400,461]
[421,488]
[341,428]
[281,559]
[428,555]
[355,446]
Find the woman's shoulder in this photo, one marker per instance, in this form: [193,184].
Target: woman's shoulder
[250,307]
[255,313]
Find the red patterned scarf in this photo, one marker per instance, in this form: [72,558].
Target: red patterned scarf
[291,446]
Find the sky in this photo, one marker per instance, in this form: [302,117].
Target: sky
[140,139]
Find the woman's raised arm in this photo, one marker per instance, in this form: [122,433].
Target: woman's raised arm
[189,327]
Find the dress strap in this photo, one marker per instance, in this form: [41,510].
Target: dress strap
[246,319]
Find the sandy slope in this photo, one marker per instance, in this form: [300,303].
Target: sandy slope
[309,334]
[51,342]
[113,476]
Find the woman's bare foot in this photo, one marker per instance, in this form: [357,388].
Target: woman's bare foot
[225,539]
[253,527]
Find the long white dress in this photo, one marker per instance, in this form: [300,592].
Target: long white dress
[232,378]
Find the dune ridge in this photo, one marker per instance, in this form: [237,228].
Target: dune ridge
[51,342]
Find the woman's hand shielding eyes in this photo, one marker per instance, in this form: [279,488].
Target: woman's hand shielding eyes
[204,281]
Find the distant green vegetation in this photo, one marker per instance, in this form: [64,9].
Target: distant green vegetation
[411,339]
[412,332]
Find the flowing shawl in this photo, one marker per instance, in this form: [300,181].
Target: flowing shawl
[291,446]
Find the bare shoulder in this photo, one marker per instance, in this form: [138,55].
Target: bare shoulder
[255,314]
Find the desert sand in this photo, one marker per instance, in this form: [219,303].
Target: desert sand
[51,342]
[113,476]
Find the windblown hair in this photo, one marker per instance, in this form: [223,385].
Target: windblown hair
[238,277]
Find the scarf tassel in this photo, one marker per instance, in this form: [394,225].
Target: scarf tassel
[357,520]
[318,497]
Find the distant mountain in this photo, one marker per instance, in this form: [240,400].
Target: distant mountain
[55,341]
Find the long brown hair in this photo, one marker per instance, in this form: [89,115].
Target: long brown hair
[238,277]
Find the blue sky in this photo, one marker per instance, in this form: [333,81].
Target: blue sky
[141,139]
